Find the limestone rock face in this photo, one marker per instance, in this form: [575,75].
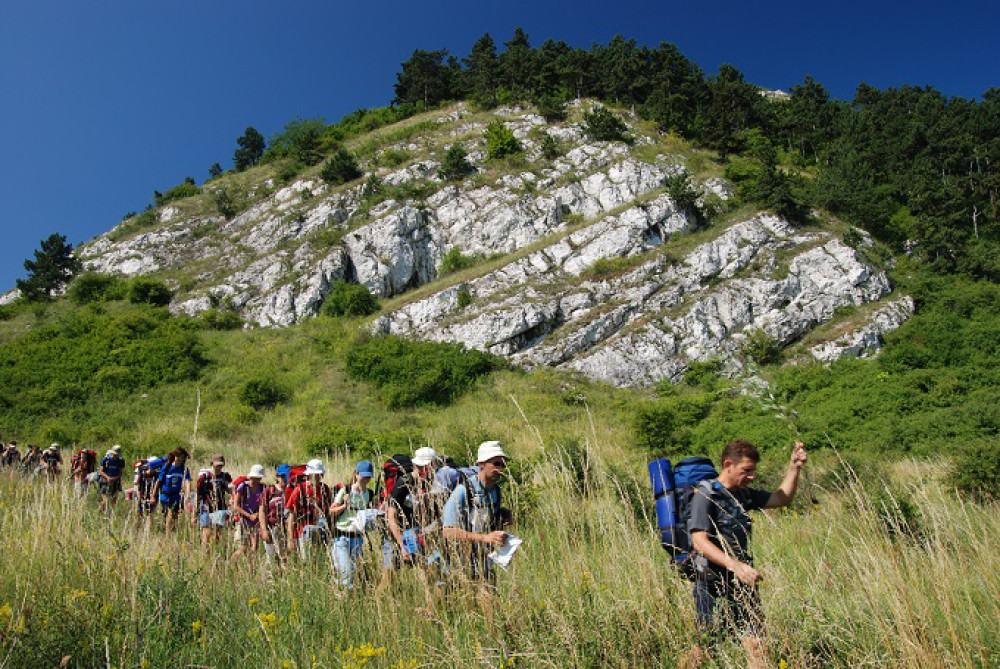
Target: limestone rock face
[866,340]
[591,265]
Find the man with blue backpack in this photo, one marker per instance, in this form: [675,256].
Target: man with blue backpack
[716,513]
[111,469]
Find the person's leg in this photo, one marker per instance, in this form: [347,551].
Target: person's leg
[343,563]
[748,620]
[704,608]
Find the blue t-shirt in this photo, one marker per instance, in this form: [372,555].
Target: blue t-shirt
[112,465]
[172,483]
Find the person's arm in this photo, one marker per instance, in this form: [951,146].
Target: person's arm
[451,530]
[262,507]
[339,502]
[701,543]
[785,493]
[392,520]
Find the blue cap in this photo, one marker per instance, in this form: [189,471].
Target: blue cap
[282,470]
[365,468]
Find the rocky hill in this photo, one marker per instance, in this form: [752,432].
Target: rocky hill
[582,261]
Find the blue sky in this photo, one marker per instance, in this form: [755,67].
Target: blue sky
[102,102]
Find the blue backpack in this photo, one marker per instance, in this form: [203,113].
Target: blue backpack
[673,488]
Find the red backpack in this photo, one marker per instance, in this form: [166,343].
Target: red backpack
[395,467]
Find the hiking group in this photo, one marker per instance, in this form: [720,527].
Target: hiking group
[423,510]
[429,512]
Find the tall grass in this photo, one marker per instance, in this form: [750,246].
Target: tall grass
[875,575]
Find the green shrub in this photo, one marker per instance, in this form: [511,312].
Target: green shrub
[603,126]
[178,192]
[410,373]
[230,202]
[394,157]
[220,319]
[977,470]
[464,297]
[289,170]
[349,299]
[263,393]
[664,425]
[93,287]
[340,168]
[7,312]
[761,348]
[456,165]
[143,290]
[454,261]
[500,140]
[550,147]
[552,107]
[362,442]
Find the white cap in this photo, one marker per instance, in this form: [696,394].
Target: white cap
[256,472]
[424,456]
[489,450]
[116,447]
[315,467]
[54,446]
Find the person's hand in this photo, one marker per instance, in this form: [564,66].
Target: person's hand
[747,574]
[497,538]
[799,455]
[405,554]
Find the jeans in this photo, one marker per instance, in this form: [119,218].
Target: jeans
[346,553]
[389,547]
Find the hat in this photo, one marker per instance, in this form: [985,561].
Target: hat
[116,448]
[283,470]
[315,467]
[218,458]
[489,450]
[256,472]
[424,456]
[53,445]
[365,468]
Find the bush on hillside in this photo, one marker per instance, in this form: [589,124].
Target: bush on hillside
[454,261]
[220,319]
[977,470]
[500,140]
[340,168]
[361,442]
[664,425]
[409,373]
[263,393]
[187,189]
[94,287]
[349,299]
[143,290]
[603,126]
[456,164]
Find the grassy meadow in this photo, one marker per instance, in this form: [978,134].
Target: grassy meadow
[872,574]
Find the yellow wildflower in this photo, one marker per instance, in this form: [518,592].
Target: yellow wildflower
[253,602]
[5,615]
[196,626]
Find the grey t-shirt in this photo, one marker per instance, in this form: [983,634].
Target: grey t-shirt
[723,514]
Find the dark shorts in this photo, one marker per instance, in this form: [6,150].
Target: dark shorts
[109,487]
[727,607]
[171,505]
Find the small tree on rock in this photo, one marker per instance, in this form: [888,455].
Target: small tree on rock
[456,163]
[251,145]
[341,168]
[54,265]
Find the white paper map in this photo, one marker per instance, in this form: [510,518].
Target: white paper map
[501,556]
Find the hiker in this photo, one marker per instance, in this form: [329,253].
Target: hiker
[31,460]
[308,506]
[82,466]
[271,514]
[725,583]
[11,456]
[407,510]
[146,475]
[172,487]
[349,507]
[112,468]
[472,516]
[247,503]
[51,461]
[212,495]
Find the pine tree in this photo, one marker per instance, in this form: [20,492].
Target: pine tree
[251,145]
[483,71]
[53,267]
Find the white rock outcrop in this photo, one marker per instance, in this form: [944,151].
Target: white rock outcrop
[867,340]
